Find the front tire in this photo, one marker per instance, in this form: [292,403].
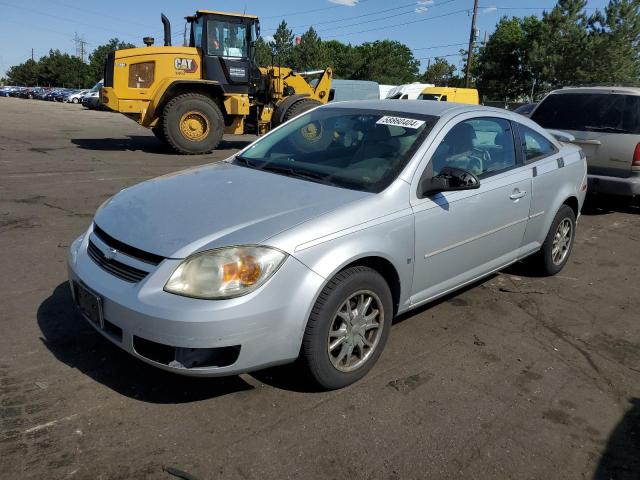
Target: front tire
[557,246]
[348,327]
[192,123]
[74,100]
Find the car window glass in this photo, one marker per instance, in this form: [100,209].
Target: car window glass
[534,144]
[483,146]
[599,112]
[359,149]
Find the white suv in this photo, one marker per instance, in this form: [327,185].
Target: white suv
[605,122]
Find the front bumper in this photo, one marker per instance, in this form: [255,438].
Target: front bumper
[266,326]
[629,186]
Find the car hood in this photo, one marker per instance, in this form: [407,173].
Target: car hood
[212,206]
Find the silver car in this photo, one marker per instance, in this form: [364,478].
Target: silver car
[605,122]
[310,240]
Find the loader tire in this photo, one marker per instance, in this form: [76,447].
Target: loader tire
[300,107]
[192,124]
[159,133]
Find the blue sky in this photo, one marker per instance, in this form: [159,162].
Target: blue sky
[429,27]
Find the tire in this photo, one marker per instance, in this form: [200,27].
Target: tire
[299,108]
[74,100]
[547,261]
[206,116]
[159,133]
[349,286]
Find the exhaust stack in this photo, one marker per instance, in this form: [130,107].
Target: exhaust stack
[167,30]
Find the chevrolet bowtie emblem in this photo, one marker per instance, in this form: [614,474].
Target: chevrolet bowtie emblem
[110,254]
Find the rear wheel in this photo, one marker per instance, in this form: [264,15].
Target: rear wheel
[348,327]
[555,251]
[192,124]
[300,107]
[74,100]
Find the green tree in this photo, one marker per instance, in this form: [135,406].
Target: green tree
[342,58]
[23,74]
[440,72]
[98,57]
[616,43]
[560,55]
[282,45]
[310,52]
[503,69]
[386,62]
[263,53]
[61,69]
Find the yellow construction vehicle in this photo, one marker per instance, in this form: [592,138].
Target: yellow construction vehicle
[191,95]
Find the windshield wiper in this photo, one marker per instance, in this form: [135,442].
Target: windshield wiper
[245,161]
[290,172]
[606,129]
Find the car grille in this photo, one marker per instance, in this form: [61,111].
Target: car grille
[109,241]
[116,268]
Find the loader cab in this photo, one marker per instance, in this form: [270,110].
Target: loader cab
[227,43]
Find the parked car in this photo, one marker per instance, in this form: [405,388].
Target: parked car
[450,94]
[605,122]
[525,109]
[91,100]
[328,227]
[76,96]
[6,90]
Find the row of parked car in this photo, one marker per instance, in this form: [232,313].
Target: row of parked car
[90,98]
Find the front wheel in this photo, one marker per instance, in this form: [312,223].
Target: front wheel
[348,327]
[74,100]
[192,124]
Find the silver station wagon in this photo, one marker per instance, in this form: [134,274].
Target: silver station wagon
[309,241]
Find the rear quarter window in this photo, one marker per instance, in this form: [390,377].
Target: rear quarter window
[606,112]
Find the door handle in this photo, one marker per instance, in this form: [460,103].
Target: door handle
[517,194]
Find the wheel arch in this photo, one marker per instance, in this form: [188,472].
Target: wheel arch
[210,89]
[386,269]
[572,202]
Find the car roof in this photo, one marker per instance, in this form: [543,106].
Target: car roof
[424,107]
[598,89]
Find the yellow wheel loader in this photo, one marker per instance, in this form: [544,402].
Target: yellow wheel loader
[191,95]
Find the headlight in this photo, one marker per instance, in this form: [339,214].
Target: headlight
[225,272]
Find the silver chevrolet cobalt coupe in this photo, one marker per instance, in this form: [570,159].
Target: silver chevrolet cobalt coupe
[309,241]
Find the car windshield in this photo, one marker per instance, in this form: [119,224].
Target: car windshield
[597,112]
[350,148]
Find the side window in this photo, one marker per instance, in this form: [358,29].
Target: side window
[534,145]
[483,146]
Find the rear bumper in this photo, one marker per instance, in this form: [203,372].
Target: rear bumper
[629,186]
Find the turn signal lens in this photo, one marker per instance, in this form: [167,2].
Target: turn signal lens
[635,164]
[225,272]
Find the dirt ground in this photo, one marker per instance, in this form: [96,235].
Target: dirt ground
[516,377]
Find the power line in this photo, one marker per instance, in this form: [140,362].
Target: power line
[440,46]
[403,24]
[58,17]
[291,14]
[412,5]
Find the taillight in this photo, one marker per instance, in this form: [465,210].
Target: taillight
[635,164]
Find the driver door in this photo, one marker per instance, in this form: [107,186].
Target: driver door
[462,235]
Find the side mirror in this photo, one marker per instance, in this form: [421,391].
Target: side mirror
[449,179]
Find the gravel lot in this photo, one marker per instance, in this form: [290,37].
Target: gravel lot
[516,377]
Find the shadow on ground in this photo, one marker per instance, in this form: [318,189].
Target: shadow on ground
[73,341]
[601,204]
[621,458]
[144,143]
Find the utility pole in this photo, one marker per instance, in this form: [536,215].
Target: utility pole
[32,55]
[472,38]
[80,43]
